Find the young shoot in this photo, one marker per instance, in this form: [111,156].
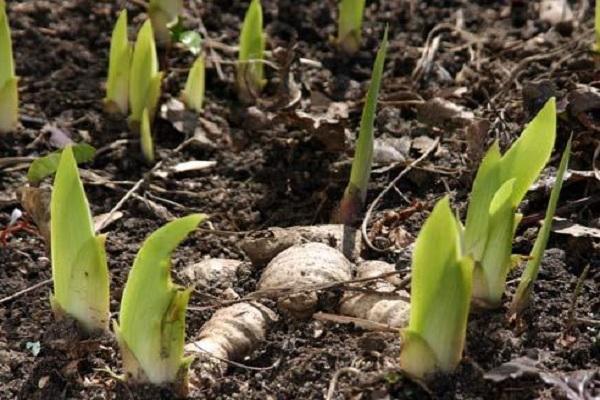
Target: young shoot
[440,296]
[164,14]
[9,95]
[48,164]
[146,138]
[117,86]
[522,297]
[250,68]
[79,268]
[151,327]
[350,17]
[145,78]
[356,191]
[597,27]
[499,187]
[193,93]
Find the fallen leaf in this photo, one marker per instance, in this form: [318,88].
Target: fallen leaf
[512,369]
[577,385]
[566,227]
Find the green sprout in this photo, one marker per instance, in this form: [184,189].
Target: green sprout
[117,86]
[440,296]
[350,19]
[193,93]
[499,187]
[151,327]
[9,94]
[145,78]
[356,191]
[79,268]
[521,298]
[597,27]
[164,14]
[146,138]
[250,68]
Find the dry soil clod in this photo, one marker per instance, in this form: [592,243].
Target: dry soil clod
[383,303]
[263,246]
[229,335]
[301,266]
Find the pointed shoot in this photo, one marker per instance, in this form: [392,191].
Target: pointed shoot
[79,268]
[9,95]
[440,296]
[151,328]
[356,191]
[250,68]
[350,19]
[193,94]
[523,295]
[117,86]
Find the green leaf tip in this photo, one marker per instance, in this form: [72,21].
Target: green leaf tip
[193,93]
[250,68]
[9,95]
[523,294]
[350,18]
[440,296]
[145,78]
[117,85]
[151,328]
[491,219]
[47,165]
[146,141]
[79,267]
[356,191]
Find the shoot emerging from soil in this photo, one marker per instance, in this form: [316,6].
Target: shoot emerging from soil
[9,95]
[164,14]
[356,192]
[350,17]
[151,327]
[79,268]
[117,86]
[250,68]
[440,296]
[193,93]
[499,187]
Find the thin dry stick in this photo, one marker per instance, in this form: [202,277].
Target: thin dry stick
[25,291]
[387,189]
[137,186]
[336,377]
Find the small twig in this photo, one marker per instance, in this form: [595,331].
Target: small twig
[576,293]
[25,291]
[392,184]
[336,377]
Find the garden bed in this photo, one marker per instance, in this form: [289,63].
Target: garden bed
[493,68]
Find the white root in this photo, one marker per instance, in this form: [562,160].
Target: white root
[262,246]
[383,303]
[230,334]
[302,266]
[214,272]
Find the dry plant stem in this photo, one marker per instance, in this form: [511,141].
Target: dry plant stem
[336,377]
[392,184]
[576,293]
[25,291]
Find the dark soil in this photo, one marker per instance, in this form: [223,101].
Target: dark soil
[272,171]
